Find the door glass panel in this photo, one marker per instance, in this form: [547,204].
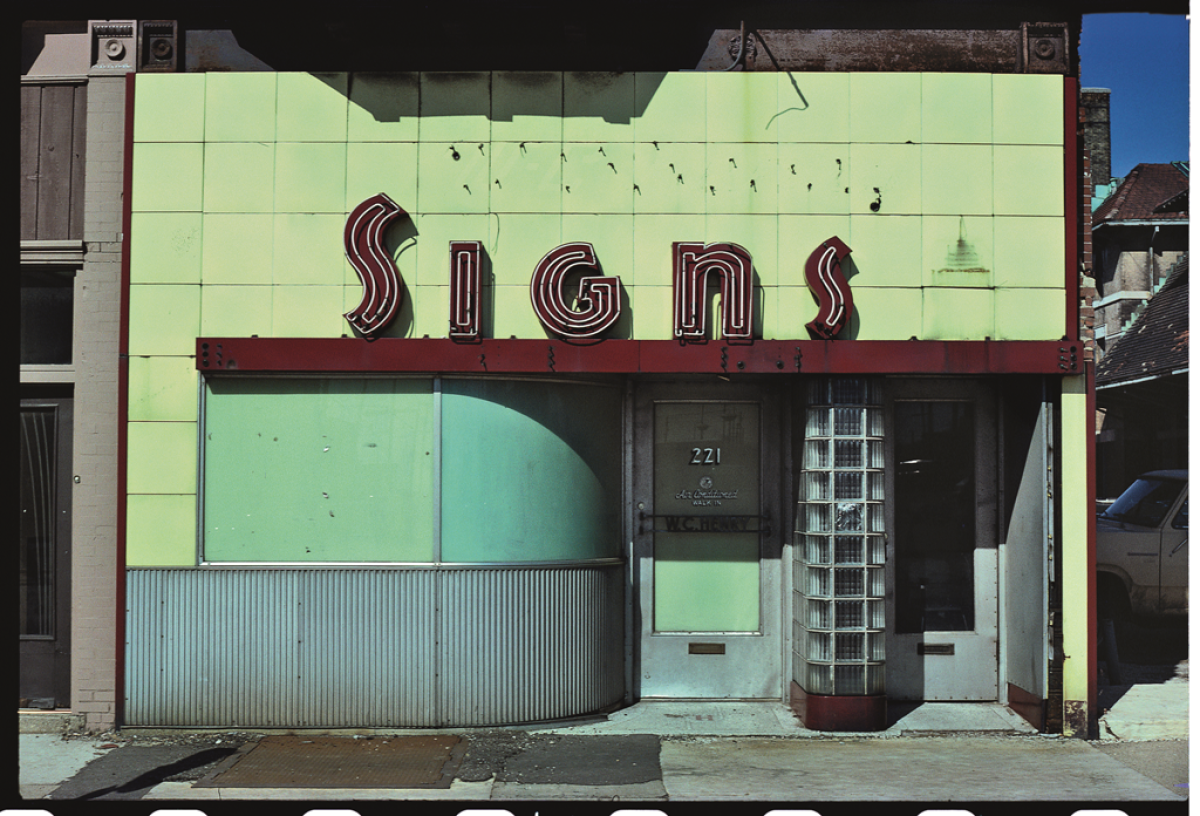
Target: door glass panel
[935,516]
[37,546]
[706,500]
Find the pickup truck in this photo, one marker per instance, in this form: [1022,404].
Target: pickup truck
[1141,550]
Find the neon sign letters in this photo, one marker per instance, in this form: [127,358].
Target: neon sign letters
[363,238]
[596,305]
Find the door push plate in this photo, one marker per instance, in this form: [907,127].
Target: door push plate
[935,648]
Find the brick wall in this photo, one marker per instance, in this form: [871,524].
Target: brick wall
[97,331]
[1087,279]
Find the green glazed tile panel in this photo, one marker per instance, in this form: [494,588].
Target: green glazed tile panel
[597,177]
[431,311]
[1029,252]
[799,236]
[455,108]
[238,248]
[882,313]
[165,247]
[169,108]
[238,177]
[958,251]
[612,238]
[498,152]
[814,178]
[515,244]
[956,179]
[742,107]
[1029,180]
[168,177]
[453,177]
[886,179]
[813,107]
[318,470]
[757,234]
[239,107]
[162,389]
[513,312]
[428,262]
[308,248]
[161,457]
[669,177]
[886,250]
[235,311]
[310,177]
[1027,109]
[163,319]
[1030,314]
[508,451]
[957,314]
[653,237]
[671,107]
[598,107]
[651,307]
[742,178]
[160,530]
[308,311]
[384,107]
[956,108]
[885,107]
[527,177]
[311,107]
[382,167]
[527,106]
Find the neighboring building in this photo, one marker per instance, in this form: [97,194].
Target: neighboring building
[1142,390]
[72,149]
[430,417]
[1139,246]
[1138,234]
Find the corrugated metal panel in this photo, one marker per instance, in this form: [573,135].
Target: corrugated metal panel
[371,647]
[530,645]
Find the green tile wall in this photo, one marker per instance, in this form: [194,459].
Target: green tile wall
[242,182]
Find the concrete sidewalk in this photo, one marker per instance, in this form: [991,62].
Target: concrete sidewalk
[711,752]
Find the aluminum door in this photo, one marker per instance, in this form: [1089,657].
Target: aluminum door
[707,543]
[942,556]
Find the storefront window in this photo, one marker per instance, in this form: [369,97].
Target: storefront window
[318,470]
[531,471]
[354,470]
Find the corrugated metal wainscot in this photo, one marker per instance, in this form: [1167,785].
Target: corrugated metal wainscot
[377,647]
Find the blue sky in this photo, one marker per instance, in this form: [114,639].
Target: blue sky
[1143,60]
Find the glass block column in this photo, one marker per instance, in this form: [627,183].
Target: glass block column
[839,541]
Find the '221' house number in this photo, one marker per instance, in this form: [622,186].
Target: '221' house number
[705,456]
[597,305]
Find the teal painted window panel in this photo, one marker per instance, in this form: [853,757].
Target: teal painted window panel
[530,471]
[318,470]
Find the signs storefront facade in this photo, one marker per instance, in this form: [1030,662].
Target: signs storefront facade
[451,346]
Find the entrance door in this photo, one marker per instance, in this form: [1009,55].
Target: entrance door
[942,554]
[706,499]
[44,554]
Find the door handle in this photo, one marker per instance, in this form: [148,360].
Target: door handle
[1177,548]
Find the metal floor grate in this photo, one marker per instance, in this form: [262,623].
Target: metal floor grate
[342,762]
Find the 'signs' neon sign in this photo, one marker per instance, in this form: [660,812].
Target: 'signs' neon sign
[363,239]
[692,264]
[597,301]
